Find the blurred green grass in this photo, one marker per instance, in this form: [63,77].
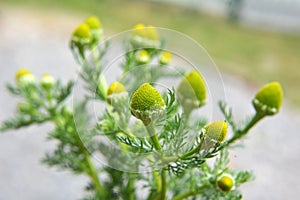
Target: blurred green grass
[258,56]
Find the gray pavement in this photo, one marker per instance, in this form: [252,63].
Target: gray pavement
[40,43]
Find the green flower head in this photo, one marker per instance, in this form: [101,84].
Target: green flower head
[143,57]
[147,103]
[93,22]
[165,58]
[192,91]
[24,77]
[82,34]
[115,93]
[268,99]
[145,37]
[47,81]
[216,131]
[225,183]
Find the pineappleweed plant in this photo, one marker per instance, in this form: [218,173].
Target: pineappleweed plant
[151,142]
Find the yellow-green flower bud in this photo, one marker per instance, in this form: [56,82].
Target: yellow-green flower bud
[95,26]
[82,34]
[143,57]
[225,183]
[24,77]
[268,100]
[47,81]
[115,88]
[145,37]
[115,92]
[147,103]
[165,58]
[93,22]
[216,131]
[191,91]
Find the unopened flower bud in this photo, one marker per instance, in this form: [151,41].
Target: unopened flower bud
[165,58]
[145,37]
[82,34]
[268,99]
[147,104]
[95,26]
[216,131]
[143,57]
[47,81]
[192,91]
[225,183]
[24,77]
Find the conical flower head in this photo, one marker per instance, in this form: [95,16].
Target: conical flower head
[147,103]
[225,183]
[192,91]
[24,77]
[269,98]
[115,88]
[165,58]
[93,22]
[47,81]
[144,37]
[216,131]
[96,28]
[82,34]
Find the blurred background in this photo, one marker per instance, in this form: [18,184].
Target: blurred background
[251,41]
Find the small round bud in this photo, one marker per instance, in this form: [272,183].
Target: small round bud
[165,58]
[116,92]
[192,91]
[147,103]
[47,81]
[115,88]
[93,22]
[24,77]
[143,57]
[216,131]
[225,183]
[144,37]
[82,34]
[95,26]
[268,99]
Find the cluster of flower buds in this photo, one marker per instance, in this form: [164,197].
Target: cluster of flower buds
[25,78]
[191,91]
[87,34]
[145,37]
[147,104]
[268,99]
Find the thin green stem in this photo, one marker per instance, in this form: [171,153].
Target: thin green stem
[130,187]
[240,133]
[92,172]
[185,195]
[163,188]
[151,131]
[163,184]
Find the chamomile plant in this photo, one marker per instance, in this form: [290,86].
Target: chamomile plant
[153,145]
